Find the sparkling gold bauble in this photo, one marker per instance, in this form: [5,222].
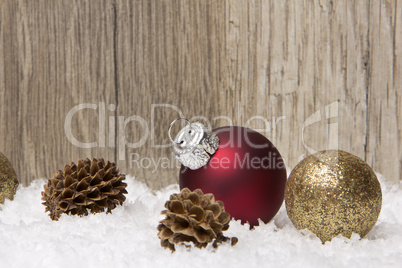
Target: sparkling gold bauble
[8,179]
[331,193]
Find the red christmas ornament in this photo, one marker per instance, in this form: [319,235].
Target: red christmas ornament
[246,171]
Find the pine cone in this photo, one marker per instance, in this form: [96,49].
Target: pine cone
[193,217]
[89,186]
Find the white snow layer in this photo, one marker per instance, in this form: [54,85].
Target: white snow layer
[128,237]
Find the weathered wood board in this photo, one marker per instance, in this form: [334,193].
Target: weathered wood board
[111,75]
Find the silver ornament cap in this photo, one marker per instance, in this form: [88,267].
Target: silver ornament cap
[194,145]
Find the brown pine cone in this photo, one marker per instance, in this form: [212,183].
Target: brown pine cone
[89,186]
[193,217]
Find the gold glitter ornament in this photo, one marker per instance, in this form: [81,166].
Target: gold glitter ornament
[333,192]
[8,179]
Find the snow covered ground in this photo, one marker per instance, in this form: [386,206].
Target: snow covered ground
[128,237]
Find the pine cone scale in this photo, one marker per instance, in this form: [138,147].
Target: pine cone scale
[69,180]
[176,207]
[100,175]
[197,213]
[67,193]
[109,173]
[82,174]
[224,218]
[67,170]
[94,168]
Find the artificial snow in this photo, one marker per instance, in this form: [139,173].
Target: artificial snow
[128,237]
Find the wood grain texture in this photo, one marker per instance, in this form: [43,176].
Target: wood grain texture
[309,75]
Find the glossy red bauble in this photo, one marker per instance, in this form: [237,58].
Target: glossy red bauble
[247,173]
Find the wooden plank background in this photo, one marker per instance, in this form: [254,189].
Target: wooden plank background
[293,63]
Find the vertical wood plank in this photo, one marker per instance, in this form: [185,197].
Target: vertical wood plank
[55,54]
[382,124]
[397,75]
[169,54]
